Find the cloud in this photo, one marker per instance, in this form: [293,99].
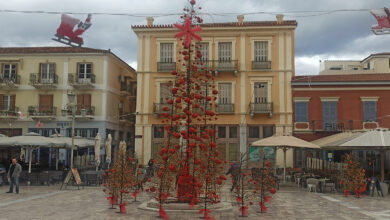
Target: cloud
[336,35]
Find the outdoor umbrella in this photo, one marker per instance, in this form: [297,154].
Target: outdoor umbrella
[122,146]
[97,150]
[31,140]
[79,142]
[378,139]
[284,142]
[108,149]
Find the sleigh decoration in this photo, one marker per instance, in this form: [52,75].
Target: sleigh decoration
[383,17]
[66,33]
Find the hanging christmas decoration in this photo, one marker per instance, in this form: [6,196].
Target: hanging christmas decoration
[383,18]
[66,32]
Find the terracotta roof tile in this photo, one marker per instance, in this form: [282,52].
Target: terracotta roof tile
[343,78]
[24,50]
[227,24]
[48,50]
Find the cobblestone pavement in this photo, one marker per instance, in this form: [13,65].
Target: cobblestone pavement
[42,202]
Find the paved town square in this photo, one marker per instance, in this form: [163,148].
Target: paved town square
[42,202]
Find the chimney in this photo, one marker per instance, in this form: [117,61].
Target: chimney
[150,21]
[240,19]
[279,18]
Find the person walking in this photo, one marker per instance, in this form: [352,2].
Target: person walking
[234,170]
[13,176]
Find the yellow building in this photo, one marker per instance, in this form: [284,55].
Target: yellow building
[34,81]
[253,63]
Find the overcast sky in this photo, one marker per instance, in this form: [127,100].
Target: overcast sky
[342,35]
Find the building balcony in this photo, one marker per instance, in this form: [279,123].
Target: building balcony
[82,83]
[10,114]
[261,65]
[158,108]
[166,66]
[261,108]
[204,64]
[128,89]
[8,83]
[225,108]
[83,112]
[42,112]
[331,126]
[202,109]
[127,118]
[225,66]
[44,84]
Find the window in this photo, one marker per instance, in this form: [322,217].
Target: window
[232,132]
[221,131]
[165,92]
[158,132]
[329,115]
[46,103]
[83,101]
[335,68]
[369,111]
[301,110]
[224,93]
[233,152]
[7,102]
[225,51]
[204,49]
[260,92]
[166,52]
[47,72]
[268,131]
[261,51]
[254,132]
[45,132]
[9,71]
[85,70]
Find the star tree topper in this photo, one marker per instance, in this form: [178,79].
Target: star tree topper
[188,32]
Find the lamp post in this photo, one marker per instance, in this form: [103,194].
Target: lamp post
[72,105]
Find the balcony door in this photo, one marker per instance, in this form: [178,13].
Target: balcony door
[329,116]
[261,51]
[84,72]
[9,72]
[46,103]
[225,55]
[83,102]
[47,72]
[7,102]
[225,97]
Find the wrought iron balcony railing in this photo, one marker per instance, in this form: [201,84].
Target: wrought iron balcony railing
[42,110]
[15,79]
[166,66]
[261,108]
[225,108]
[332,126]
[225,65]
[158,108]
[261,65]
[81,80]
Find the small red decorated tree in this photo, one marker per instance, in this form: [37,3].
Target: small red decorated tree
[241,180]
[353,176]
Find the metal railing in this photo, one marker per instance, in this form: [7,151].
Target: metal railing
[166,66]
[261,108]
[42,110]
[72,80]
[261,65]
[127,116]
[225,65]
[15,79]
[11,112]
[206,64]
[226,108]
[36,79]
[89,110]
[332,126]
[158,108]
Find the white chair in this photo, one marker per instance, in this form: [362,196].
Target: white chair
[311,188]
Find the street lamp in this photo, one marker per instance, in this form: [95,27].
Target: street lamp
[72,105]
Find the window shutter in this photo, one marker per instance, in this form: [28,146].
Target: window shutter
[204,49]
[260,92]
[370,111]
[164,92]
[225,51]
[261,51]
[301,112]
[225,93]
[166,52]
[1,101]
[87,101]
[13,99]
